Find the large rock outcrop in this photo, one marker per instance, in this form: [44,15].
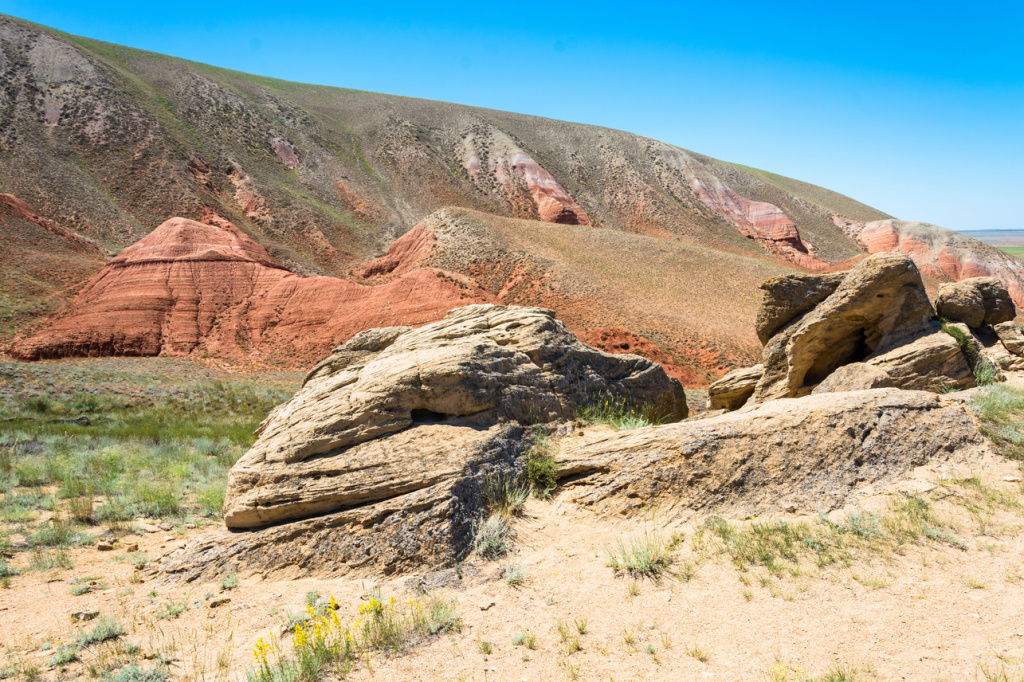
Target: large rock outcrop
[381,458]
[975,301]
[808,453]
[787,298]
[879,306]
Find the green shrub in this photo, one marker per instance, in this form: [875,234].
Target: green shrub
[505,495]
[107,628]
[541,468]
[985,372]
[211,500]
[157,499]
[618,414]
[1000,409]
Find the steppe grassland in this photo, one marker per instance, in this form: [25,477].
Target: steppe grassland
[96,444]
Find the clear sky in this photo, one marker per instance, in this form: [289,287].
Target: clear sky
[915,108]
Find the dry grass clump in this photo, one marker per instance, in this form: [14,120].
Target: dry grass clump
[647,553]
[619,415]
[1000,409]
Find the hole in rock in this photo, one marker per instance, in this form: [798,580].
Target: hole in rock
[852,347]
[420,416]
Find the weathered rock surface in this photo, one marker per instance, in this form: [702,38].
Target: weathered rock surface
[975,301]
[734,388]
[934,362]
[857,376]
[790,296]
[879,306]
[381,457]
[1003,345]
[806,452]
[960,304]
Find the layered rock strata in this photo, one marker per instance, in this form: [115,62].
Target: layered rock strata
[381,459]
[808,453]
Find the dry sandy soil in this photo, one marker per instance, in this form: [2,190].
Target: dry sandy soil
[929,611]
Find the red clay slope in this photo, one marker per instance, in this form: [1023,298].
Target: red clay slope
[194,288]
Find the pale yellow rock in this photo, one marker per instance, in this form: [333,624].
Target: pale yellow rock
[856,376]
[880,305]
[733,389]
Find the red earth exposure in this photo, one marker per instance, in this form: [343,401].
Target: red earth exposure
[191,288]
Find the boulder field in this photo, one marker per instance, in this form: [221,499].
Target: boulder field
[384,460]
[874,327]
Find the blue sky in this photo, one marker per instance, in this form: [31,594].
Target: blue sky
[914,108]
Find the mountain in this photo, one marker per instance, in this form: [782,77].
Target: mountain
[637,244]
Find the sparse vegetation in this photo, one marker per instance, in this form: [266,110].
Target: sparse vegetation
[647,553]
[1000,409]
[154,445]
[541,467]
[984,370]
[779,545]
[617,414]
[492,537]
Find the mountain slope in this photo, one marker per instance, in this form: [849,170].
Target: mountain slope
[108,142]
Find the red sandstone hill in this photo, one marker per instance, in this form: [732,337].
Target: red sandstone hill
[190,288]
[104,143]
[208,290]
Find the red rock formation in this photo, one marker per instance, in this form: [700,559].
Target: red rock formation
[190,288]
[765,223]
[405,254]
[363,209]
[939,253]
[553,203]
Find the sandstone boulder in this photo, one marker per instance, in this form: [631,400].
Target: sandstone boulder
[1010,335]
[806,452]
[975,301]
[880,305]
[787,298]
[380,460]
[934,362]
[733,389]
[994,350]
[856,376]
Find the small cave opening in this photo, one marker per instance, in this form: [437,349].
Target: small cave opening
[427,416]
[850,348]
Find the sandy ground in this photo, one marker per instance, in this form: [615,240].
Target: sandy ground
[931,613]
